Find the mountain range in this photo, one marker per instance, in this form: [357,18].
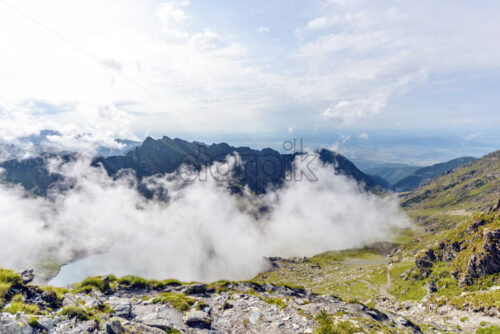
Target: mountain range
[260,170]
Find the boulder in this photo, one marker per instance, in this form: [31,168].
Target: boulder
[115,327]
[162,317]
[197,319]
[195,289]
[122,308]
[69,300]
[425,261]
[27,276]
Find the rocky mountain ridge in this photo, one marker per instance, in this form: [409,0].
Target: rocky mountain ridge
[260,170]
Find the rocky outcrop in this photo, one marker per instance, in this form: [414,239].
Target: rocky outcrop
[425,262]
[486,262]
[27,276]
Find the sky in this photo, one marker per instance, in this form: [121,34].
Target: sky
[250,69]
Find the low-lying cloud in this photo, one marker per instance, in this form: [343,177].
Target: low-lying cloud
[202,232]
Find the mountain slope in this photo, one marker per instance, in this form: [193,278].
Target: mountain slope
[458,193]
[392,173]
[423,175]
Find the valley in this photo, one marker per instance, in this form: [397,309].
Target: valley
[440,275]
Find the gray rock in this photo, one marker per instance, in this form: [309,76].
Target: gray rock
[115,327]
[197,319]
[69,300]
[27,276]
[162,317]
[46,322]
[254,317]
[123,308]
[195,289]
[144,329]
[10,324]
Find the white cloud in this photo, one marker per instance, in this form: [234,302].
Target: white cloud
[380,51]
[220,239]
[363,136]
[263,29]
[350,111]
[161,64]
[319,23]
[174,18]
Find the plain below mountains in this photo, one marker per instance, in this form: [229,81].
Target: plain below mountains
[260,169]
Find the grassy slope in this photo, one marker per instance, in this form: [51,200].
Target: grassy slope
[449,199]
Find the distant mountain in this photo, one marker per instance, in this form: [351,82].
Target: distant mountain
[392,173]
[424,175]
[380,181]
[260,169]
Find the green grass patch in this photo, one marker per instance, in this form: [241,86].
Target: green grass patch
[405,289]
[101,283]
[276,301]
[8,279]
[489,330]
[178,301]
[76,312]
[15,307]
[133,281]
[328,326]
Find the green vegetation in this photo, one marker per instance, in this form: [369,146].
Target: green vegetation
[449,199]
[59,292]
[109,283]
[489,330]
[17,305]
[8,279]
[178,301]
[328,326]
[351,275]
[276,301]
[163,284]
[173,331]
[104,308]
[33,322]
[100,283]
[219,286]
[76,312]
[405,289]
[133,281]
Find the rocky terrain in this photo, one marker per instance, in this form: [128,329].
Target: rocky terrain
[134,305]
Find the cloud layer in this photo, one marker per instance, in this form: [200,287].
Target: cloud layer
[202,232]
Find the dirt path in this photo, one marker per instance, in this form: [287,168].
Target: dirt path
[384,289]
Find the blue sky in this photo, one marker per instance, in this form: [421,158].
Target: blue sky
[316,69]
